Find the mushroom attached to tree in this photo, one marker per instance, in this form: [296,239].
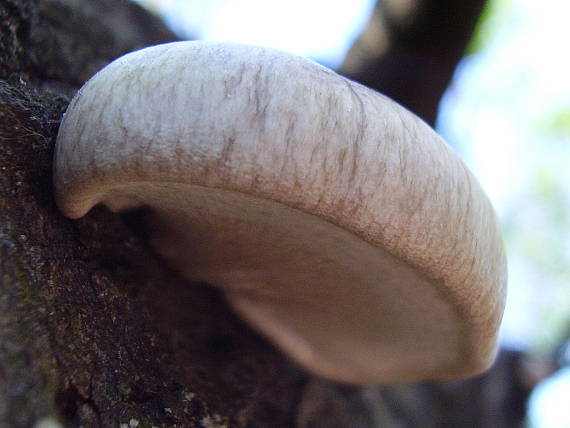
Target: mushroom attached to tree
[334,221]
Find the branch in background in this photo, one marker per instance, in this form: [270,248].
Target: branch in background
[61,43]
[410,49]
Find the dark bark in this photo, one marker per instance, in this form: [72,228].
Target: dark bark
[411,55]
[64,42]
[95,331]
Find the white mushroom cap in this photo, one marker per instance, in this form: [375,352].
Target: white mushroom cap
[335,222]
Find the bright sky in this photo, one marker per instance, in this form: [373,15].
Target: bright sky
[319,29]
[549,403]
[521,76]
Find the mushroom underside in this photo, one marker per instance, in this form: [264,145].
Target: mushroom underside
[338,305]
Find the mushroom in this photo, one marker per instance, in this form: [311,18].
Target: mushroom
[335,222]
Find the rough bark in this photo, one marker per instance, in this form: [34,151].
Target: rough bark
[94,330]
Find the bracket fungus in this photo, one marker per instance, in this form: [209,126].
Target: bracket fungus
[335,222]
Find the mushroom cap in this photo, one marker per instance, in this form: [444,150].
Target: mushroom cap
[334,221]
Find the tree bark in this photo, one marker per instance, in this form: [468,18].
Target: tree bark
[95,331]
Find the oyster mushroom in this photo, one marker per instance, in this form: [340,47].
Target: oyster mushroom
[334,221]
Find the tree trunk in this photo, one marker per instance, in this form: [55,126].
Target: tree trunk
[94,330]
